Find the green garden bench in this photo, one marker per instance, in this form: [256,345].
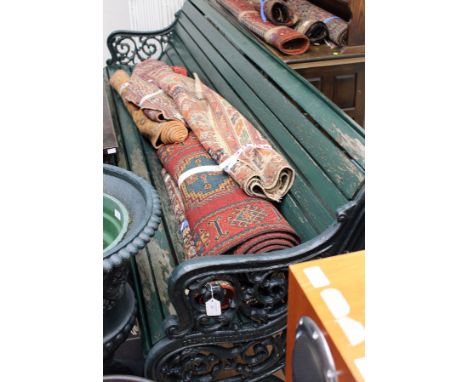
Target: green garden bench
[325,205]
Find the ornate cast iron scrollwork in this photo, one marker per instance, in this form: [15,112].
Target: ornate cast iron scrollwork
[199,290]
[258,296]
[264,295]
[129,48]
[226,291]
[233,362]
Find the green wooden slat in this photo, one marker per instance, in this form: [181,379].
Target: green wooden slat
[122,155]
[329,116]
[149,306]
[164,57]
[199,62]
[293,214]
[188,60]
[341,170]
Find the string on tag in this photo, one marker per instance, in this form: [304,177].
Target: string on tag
[330,19]
[262,11]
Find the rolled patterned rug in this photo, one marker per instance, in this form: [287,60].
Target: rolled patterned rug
[227,136]
[158,133]
[310,15]
[278,12]
[266,243]
[222,217]
[283,38]
[156,105]
[177,204]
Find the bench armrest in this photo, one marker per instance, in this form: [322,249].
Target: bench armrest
[130,47]
[257,284]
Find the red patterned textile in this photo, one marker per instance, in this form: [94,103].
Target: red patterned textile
[227,136]
[282,38]
[156,105]
[223,218]
[177,204]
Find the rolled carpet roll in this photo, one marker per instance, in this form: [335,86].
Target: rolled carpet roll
[283,38]
[158,133]
[178,208]
[278,12]
[310,15]
[223,218]
[231,140]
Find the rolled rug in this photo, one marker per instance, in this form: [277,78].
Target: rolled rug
[283,38]
[151,99]
[309,15]
[178,208]
[278,12]
[158,133]
[227,136]
[222,217]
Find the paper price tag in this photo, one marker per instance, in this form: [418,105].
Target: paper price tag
[213,307]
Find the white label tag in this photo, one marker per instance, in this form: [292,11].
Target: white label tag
[117,215]
[213,307]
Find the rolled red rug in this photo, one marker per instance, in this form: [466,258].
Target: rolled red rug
[283,38]
[310,16]
[222,217]
[278,12]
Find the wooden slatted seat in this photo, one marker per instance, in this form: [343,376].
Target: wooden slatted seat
[325,204]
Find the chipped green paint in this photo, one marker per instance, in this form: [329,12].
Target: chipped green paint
[151,308]
[353,144]
[162,264]
[154,166]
